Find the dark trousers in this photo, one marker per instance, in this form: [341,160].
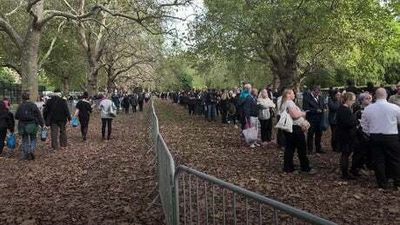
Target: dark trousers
[106,122]
[134,108]
[191,109]
[346,148]
[295,140]
[334,141]
[3,134]
[141,106]
[316,131]
[57,130]
[266,130]
[126,110]
[84,126]
[386,157]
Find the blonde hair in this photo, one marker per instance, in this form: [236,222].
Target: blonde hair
[284,95]
[348,96]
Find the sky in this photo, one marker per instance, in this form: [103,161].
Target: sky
[189,13]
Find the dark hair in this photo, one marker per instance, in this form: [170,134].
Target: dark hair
[2,107]
[57,90]
[85,94]
[25,96]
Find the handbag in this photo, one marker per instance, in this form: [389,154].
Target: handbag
[44,133]
[112,112]
[11,141]
[74,122]
[285,122]
[325,121]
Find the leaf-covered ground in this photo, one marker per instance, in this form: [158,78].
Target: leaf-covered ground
[93,182]
[216,149]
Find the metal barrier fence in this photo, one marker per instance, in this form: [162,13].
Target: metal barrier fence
[192,197]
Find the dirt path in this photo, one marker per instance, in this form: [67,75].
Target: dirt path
[216,149]
[93,182]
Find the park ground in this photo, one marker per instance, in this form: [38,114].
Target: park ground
[93,182]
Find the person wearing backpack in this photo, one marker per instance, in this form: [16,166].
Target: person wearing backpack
[106,109]
[56,115]
[29,118]
[7,122]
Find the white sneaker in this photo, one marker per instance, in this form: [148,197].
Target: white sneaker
[256,144]
[252,146]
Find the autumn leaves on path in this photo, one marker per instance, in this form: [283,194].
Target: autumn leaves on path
[217,149]
[93,182]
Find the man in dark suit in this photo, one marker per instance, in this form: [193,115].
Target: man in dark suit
[314,105]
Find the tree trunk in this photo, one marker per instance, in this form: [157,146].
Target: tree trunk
[30,54]
[92,81]
[66,85]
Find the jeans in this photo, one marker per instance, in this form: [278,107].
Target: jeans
[28,144]
[106,122]
[58,131]
[211,111]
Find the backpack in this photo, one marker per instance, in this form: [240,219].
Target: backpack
[26,112]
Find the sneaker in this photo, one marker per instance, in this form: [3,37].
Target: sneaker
[256,144]
[312,171]
[252,146]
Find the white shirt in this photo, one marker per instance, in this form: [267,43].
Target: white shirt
[380,117]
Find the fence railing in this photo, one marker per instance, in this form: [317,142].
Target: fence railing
[192,197]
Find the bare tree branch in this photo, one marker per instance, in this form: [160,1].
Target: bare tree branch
[11,32]
[16,8]
[53,41]
[50,14]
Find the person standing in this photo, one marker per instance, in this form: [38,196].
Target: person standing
[7,122]
[133,99]
[346,132]
[83,111]
[296,139]
[106,106]
[380,121]
[211,102]
[56,114]
[265,105]
[314,105]
[29,118]
[125,103]
[141,101]
[395,99]
[333,105]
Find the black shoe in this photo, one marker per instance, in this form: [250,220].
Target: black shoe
[355,173]
[32,156]
[84,138]
[320,152]
[347,177]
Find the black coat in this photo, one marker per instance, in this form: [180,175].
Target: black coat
[56,110]
[7,120]
[314,108]
[28,112]
[346,125]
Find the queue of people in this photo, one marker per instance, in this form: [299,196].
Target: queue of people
[53,113]
[364,124]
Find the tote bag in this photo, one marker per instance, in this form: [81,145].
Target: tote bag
[74,122]
[11,141]
[285,122]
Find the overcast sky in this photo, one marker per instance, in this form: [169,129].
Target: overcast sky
[182,26]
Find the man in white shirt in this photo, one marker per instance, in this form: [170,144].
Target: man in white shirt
[380,121]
